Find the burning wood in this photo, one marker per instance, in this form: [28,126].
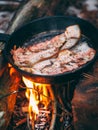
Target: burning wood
[43,120]
[41,105]
[52,116]
[6,103]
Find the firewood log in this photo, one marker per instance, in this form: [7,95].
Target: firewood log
[85,103]
[31,10]
[8,83]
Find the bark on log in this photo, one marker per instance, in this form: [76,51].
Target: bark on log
[31,10]
[85,102]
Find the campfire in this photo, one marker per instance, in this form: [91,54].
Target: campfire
[40,107]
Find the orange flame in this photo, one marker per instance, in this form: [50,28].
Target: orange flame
[30,95]
[36,93]
[13,71]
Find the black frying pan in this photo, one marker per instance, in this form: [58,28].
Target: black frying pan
[48,25]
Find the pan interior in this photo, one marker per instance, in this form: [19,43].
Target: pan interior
[42,37]
[47,35]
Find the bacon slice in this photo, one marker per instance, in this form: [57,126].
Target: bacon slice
[62,53]
[69,38]
[70,43]
[25,59]
[56,42]
[83,51]
[73,31]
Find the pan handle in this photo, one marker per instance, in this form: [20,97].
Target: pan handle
[4,37]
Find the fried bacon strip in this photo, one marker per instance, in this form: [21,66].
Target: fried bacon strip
[60,54]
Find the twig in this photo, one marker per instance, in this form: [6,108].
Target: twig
[10,93]
[21,121]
